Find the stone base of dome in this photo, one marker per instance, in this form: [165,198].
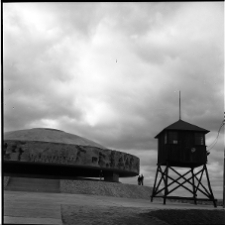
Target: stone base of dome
[114,177]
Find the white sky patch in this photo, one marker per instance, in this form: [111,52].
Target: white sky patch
[99,113]
[44,123]
[211,138]
[214,167]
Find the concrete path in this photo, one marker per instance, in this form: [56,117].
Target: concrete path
[56,208]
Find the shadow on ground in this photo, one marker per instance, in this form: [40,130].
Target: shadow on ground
[189,217]
[107,216]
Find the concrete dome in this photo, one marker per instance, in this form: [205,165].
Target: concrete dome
[44,151]
[49,135]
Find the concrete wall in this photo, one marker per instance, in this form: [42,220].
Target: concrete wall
[65,154]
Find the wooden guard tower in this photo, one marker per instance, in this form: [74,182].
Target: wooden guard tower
[182,145]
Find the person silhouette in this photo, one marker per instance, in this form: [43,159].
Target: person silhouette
[142,180]
[139,180]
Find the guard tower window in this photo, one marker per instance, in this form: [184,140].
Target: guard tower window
[199,139]
[165,138]
[173,137]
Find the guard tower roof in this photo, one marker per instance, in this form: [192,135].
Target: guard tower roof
[182,125]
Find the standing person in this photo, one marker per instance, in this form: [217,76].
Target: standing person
[142,179]
[139,180]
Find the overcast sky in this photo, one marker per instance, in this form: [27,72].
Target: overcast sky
[111,72]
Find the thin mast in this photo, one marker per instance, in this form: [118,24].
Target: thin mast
[179,105]
[224,168]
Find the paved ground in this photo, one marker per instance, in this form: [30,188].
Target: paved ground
[190,216]
[70,209]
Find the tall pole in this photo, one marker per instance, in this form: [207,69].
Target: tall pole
[224,180]
[179,106]
[224,169]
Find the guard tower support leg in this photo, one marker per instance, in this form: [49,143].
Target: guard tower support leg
[210,189]
[165,174]
[154,186]
[157,182]
[193,185]
[167,180]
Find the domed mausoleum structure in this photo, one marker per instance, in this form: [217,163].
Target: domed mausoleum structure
[53,153]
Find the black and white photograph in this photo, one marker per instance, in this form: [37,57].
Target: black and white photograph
[113,113]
